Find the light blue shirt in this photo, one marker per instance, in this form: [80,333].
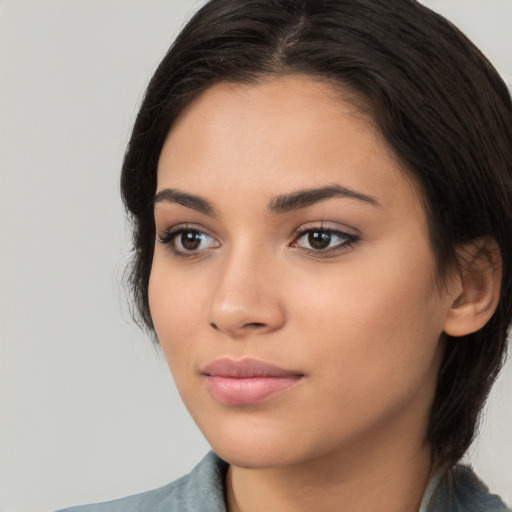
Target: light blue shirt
[202,490]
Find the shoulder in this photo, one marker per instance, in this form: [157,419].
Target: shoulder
[459,489]
[473,494]
[201,489]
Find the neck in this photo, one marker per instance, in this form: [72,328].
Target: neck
[367,479]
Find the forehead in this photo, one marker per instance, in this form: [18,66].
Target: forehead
[277,134]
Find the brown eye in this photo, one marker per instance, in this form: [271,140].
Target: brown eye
[324,242]
[319,240]
[187,242]
[190,240]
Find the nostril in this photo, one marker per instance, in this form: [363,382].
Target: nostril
[249,325]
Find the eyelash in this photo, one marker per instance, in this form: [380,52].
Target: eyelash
[170,237]
[348,241]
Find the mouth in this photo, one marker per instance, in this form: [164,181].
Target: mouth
[247,381]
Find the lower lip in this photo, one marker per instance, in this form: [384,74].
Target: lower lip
[248,390]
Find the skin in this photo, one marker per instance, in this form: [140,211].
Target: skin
[363,325]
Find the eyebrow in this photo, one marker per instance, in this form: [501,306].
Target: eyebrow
[279,204]
[307,197]
[198,203]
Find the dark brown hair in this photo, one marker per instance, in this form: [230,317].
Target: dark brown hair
[440,105]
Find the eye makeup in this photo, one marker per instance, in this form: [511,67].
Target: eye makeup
[189,240]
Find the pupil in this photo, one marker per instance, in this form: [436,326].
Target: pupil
[319,240]
[190,240]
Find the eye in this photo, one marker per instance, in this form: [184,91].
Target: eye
[324,241]
[186,242]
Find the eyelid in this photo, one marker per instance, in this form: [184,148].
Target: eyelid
[321,227]
[169,228]
[168,236]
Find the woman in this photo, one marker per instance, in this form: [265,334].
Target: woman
[320,195]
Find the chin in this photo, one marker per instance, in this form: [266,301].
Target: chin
[256,456]
[252,448]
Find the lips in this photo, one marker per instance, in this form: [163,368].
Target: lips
[247,381]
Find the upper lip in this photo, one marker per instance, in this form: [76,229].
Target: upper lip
[246,368]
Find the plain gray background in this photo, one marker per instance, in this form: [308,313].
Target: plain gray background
[88,408]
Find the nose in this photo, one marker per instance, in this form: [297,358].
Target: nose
[246,297]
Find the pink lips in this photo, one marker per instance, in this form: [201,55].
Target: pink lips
[246,381]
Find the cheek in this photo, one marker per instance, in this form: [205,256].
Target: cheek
[176,308]
[374,324]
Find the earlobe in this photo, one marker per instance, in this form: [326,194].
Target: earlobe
[478,284]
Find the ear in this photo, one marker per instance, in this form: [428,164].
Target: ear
[476,287]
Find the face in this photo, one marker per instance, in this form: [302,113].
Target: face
[293,288]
